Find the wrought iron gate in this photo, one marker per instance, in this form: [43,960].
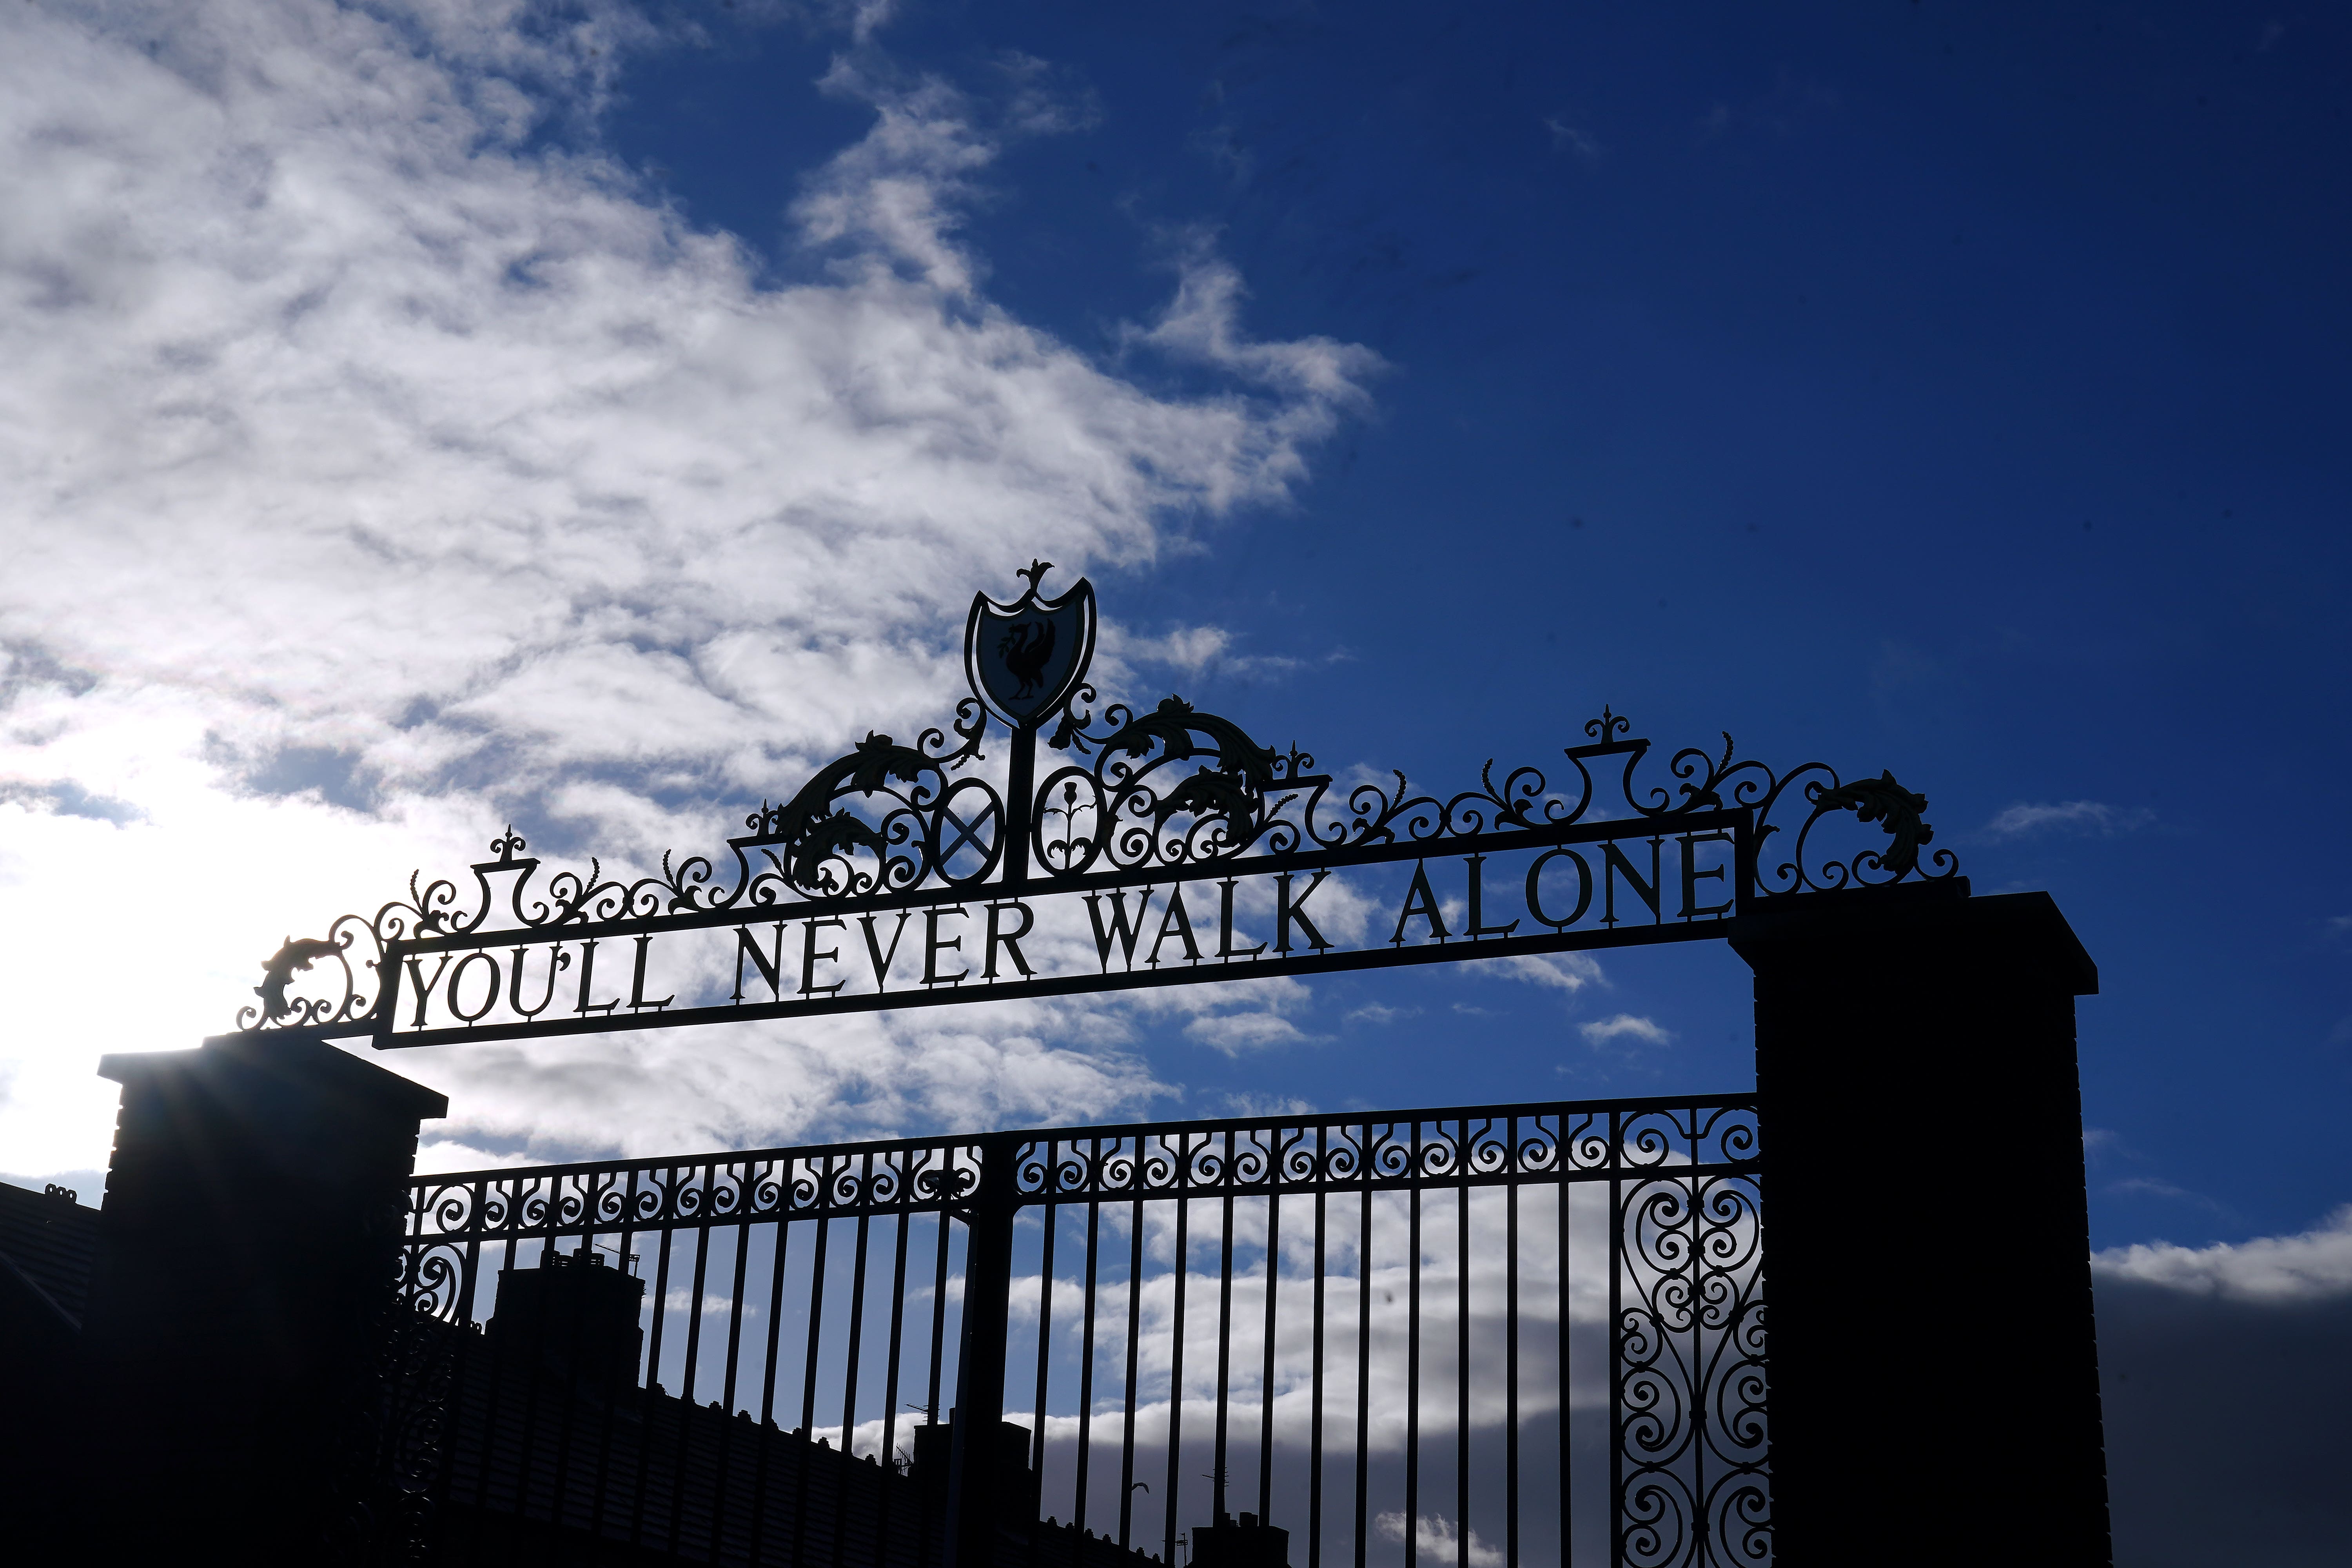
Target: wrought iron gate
[1492,1335]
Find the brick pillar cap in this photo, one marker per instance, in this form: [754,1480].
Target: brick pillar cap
[1840,923]
[286,1052]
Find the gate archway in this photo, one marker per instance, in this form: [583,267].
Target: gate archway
[1164,846]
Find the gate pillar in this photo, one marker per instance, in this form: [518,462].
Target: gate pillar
[247,1248]
[975,1451]
[1935,1393]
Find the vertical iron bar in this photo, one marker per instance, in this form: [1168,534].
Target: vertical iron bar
[1412,1362]
[1225,1337]
[1511,1355]
[693,1302]
[816,1325]
[491,1358]
[1364,1343]
[727,1442]
[809,1365]
[1176,1361]
[1315,1434]
[469,1277]
[932,1414]
[1045,1340]
[857,1335]
[1462,1356]
[532,1358]
[891,1379]
[1045,1348]
[938,1319]
[1698,1366]
[653,1349]
[775,1333]
[1134,1339]
[1265,1379]
[605,1438]
[1616,1347]
[587,1185]
[686,1401]
[1020,804]
[1567,1497]
[849,1370]
[735,1298]
[1086,1346]
[776,1293]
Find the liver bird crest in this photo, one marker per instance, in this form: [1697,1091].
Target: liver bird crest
[1026,648]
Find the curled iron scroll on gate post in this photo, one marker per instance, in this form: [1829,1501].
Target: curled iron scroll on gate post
[906,874]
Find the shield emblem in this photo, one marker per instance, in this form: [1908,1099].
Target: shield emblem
[1025,657]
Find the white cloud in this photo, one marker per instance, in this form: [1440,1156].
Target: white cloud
[2313,1265]
[1188,649]
[1624,1026]
[2067,817]
[1247,1104]
[1196,649]
[1236,1032]
[714,1304]
[378,478]
[1203,323]
[1568,972]
[1434,1537]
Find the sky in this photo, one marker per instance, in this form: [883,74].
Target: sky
[424,417]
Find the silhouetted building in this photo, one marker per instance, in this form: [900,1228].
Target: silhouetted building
[551,1452]
[47,1243]
[47,1240]
[576,1317]
[1248,1544]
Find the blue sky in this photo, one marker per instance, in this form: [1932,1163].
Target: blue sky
[1956,393]
[427,417]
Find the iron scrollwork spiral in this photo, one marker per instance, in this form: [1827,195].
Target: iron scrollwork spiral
[1692,1459]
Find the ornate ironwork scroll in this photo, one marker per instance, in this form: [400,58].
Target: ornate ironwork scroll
[452,1218]
[1691,1449]
[1150,799]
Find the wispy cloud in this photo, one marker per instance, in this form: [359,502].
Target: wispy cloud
[1237,1033]
[2158,1187]
[1579,145]
[1556,970]
[1625,1026]
[2082,817]
[1202,323]
[1247,1104]
[1196,649]
[2312,1266]
[1435,1537]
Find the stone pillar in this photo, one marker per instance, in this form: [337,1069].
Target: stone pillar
[246,1255]
[1935,1393]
